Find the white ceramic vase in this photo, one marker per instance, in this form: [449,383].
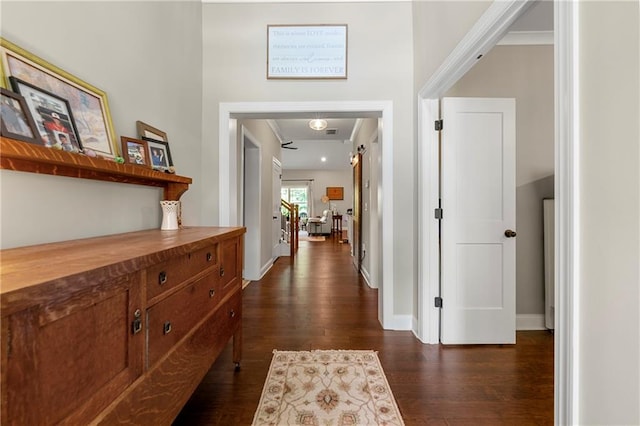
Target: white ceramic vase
[170,211]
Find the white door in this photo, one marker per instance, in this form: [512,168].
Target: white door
[276,182]
[478,202]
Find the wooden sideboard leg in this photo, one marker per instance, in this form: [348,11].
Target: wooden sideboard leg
[237,346]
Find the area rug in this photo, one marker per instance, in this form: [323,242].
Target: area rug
[313,238]
[326,388]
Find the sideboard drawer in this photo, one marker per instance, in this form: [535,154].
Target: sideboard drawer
[164,276]
[170,320]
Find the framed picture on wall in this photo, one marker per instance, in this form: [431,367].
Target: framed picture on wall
[307,51]
[335,192]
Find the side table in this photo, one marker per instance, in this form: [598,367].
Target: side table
[336,227]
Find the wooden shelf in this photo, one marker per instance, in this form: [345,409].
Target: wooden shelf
[26,157]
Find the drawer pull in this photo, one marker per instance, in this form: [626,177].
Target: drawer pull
[162,277]
[211,292]
[209,257]
[222,272]
[166,329]
[232,313]
[136,325]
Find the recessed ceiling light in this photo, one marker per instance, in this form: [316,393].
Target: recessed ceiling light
[318,124]
[323,159]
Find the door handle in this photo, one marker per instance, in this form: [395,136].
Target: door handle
[275,218]
[509,233]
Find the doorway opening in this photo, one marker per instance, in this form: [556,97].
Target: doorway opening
[484,35]
[228,177]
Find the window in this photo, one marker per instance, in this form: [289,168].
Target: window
[297,195]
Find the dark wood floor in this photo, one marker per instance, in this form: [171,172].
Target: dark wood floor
[319,302]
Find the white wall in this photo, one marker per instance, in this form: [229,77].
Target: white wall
[380,63]
[438,26]
[524,73]
[147,57]
[270,148]
[369,198]
[609,211]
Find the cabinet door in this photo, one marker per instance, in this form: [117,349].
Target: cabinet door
[231,264]
[67,359]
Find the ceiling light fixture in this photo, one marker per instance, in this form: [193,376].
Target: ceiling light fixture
[318,124]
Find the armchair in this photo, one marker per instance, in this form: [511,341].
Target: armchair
[320,225]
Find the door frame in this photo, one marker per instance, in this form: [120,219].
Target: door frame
[490,28]
[250,187]
[228,114]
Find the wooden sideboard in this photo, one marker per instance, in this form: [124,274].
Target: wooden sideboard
[118,329]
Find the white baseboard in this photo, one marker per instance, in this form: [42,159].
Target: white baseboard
[401,322]
[366,276]
[530,322]
[265,268]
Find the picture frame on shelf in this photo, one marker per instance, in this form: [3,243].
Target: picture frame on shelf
[89,104]
[159,154]
[52,116]
[147,131]
[16,121]
[135,151]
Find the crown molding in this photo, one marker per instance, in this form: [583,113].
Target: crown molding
[304,1]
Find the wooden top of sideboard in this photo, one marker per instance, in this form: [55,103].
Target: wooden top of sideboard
[33,272]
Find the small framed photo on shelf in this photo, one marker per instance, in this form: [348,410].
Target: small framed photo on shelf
[16,120]
[52,116]
[159,154]
[147,131]
[135,151]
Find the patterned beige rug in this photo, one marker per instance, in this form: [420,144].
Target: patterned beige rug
[326,388]
[313,238]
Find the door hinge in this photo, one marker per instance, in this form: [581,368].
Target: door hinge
[438,302]
[438,124]
[438,213]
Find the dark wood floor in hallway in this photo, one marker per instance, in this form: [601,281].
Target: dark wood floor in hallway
[320,302]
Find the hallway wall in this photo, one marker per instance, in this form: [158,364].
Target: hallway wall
[270,149]
[380,67]
[608,328]
[147,57]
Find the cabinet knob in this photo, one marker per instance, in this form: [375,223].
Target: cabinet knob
[209,257]
[166,328]
[162,277]
[211,292]
[136,325]
[222,272]
[232,313]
